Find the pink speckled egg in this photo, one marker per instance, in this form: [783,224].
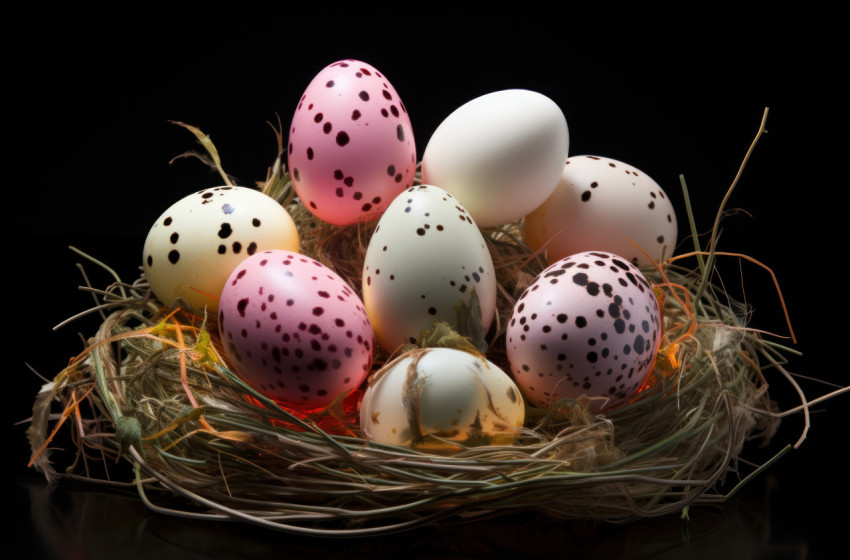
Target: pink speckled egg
[294,329]
[587,325]
[351,147]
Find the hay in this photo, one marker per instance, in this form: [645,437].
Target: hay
[153,389]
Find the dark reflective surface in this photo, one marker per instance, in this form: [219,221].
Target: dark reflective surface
[70,521]
[87,160]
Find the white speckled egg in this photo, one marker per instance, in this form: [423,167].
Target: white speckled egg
[500,154]
[194,245]
[294,329]
[587,325]
[425,257]
[434,394]
[351,147]
[607,205]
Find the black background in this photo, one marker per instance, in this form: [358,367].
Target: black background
[89,96]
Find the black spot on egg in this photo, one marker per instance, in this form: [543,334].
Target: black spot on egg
[225,230]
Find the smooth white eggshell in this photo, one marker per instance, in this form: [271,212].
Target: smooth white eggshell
[196,243]
[446,393]
[602,204]
[500,154]
[425,257]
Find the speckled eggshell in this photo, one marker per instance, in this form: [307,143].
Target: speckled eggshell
[587,325]
[294,330]
[425,257]
[604,204]
[351,147]
[500,154]
[445,393]
[193,246]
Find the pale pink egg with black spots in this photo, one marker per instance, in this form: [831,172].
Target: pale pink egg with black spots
[351,147]
[588,325]
[294,329]
[602,204]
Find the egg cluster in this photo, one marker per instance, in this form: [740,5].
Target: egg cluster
[295,330]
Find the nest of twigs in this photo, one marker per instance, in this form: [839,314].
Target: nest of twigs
[153,389]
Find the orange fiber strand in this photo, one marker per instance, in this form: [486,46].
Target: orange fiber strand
[758,263]
[184,374]
[73,407]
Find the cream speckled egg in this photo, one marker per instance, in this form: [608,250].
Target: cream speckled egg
[425,257]
[194,245]
[500,154]
[431,395]
[601,204]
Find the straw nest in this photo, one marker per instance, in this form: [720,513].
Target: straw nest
[153,388]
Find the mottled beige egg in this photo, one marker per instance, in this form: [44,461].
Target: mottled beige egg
[441,399]
[602,204]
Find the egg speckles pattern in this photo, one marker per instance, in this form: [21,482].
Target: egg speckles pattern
[294,330]
[426,256]
[587,325]
[351,147]
[602,204]
[196,243]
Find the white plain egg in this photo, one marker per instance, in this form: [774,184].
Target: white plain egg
[445,393]
[500,154]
